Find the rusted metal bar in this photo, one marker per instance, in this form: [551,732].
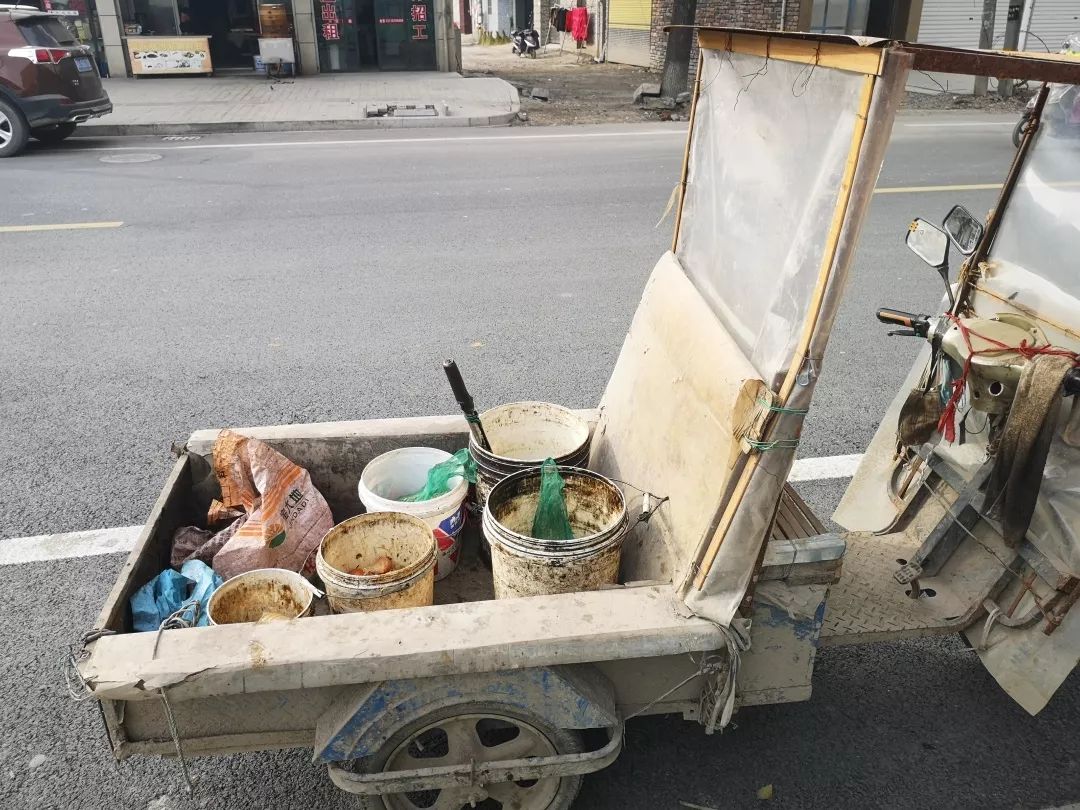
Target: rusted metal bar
[992,63]
[470,774]
[970,272]
[1055,616]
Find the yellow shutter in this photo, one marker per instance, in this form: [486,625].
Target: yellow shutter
[633,14]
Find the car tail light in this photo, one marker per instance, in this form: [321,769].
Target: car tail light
[42,56]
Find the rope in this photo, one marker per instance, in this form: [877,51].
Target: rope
[947,423]
[992,616]
[775,444]
[176,740]
[737,639]
[781,409]
[76,684]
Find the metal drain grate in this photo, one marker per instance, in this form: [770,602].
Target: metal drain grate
[182,138]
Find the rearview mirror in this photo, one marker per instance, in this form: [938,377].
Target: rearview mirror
[929,243]
[963,229]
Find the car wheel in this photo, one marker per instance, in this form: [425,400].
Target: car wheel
[13,130]
[53,134]
[475,732]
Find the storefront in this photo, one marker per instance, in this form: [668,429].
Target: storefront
[376,35]
[211,37]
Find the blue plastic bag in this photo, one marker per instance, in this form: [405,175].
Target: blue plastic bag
[170,591]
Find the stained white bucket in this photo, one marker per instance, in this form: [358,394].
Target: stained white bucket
[265,594]
[401,473]
[522,565]
[360,542]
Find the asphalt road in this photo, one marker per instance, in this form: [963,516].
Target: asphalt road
[264,280]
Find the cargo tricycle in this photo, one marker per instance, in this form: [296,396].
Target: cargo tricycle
[963,517]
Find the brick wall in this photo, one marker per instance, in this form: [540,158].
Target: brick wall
[740,13]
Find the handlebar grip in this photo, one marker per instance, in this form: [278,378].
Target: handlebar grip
[457,385]
[1072,382]
[900,318]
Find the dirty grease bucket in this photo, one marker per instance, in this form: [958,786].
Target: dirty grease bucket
[358,543]
[525,566]
[401,473]
[522,435]
[265,594]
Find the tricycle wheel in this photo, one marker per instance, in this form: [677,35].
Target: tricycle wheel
[475,732]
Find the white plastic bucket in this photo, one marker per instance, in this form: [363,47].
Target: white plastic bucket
[358,543]
[265,594]
[403,472]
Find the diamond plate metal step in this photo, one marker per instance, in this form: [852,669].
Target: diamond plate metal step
[868,604]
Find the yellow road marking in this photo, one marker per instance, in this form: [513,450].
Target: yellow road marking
[963,187]
[917,189]
[73,226]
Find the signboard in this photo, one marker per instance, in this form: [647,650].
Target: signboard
[405,34]
[169,56]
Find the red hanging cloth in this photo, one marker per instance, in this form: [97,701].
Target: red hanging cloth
[578,22]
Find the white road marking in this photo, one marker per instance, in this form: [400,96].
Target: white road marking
[23,550]
[44,547]
[73,226]
[818,469]
[654,133]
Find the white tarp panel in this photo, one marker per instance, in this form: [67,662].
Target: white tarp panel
[767,157]
[768,153]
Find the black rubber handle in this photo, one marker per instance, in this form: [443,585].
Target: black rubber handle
[1072,382]
[919,323]
[457,385]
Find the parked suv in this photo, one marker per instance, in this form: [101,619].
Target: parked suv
[48,81]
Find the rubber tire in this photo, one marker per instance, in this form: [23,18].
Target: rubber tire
[53,134]
[1018,130]
[20,130]
[565,742]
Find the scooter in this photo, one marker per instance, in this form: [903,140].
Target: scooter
[526,42]
[1062,111]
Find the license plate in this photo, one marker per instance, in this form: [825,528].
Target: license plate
[83,64]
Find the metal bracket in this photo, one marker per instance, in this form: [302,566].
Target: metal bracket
[471,774]
[959,520]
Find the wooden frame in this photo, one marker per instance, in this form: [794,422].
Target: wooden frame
[827,54]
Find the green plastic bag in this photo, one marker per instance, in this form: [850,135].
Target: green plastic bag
[551,521]
[438,477]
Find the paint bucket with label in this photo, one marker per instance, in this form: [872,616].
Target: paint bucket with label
[403,472]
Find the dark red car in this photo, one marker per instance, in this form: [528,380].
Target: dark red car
[49,83]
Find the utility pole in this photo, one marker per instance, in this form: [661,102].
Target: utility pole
[1012,41]
[986,41]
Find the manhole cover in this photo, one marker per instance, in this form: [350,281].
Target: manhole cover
[136,157]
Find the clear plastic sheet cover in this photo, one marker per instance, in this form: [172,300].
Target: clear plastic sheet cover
[767,157]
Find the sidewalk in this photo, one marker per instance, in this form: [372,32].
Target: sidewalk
[173,106]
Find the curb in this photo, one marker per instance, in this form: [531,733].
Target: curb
[100,130]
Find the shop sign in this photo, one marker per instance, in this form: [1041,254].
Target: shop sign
[331,23]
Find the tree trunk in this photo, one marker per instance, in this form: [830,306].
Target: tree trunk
[677,58]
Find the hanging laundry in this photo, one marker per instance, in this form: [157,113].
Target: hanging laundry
[558,16]
[578,23]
